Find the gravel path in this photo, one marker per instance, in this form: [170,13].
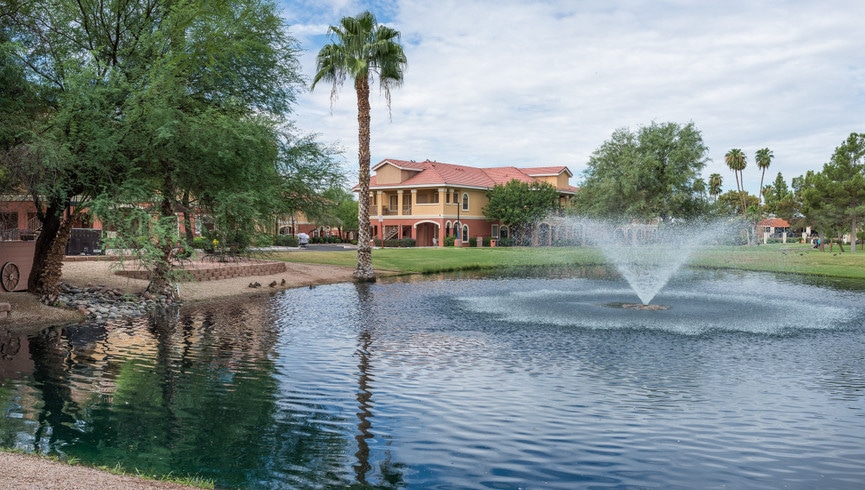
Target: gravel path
[19,471]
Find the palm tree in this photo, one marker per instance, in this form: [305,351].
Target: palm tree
[763,160]
[715,182]
[736,160]
[361,51]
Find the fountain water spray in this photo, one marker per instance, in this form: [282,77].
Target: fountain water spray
[646,255]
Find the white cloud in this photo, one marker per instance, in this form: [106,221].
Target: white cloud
[540,83]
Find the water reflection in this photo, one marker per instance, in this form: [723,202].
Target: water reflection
[464,382]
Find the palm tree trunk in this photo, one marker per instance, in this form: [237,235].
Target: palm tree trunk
[364,271]
[761,186]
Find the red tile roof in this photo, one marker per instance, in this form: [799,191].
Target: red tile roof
[430,173]
[774,223]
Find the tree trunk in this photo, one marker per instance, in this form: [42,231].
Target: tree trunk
[364,271]
[160,282]
[853,236]
[48,253]
[187,221]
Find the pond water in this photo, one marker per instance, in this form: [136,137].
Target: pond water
[747,381]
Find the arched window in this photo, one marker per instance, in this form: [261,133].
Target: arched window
[465,201]
[465,233]
[448,228]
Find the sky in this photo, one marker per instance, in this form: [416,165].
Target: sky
[539,83]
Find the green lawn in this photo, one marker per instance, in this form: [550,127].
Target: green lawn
[786,258]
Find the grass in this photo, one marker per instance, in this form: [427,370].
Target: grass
[784,258]
[189,481]
[447,259]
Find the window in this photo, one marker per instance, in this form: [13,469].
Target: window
[394,203]
[448,229]
[8,221]
[465,201]
[495,232]
[465,233]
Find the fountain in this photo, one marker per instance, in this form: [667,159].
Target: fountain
[646,255]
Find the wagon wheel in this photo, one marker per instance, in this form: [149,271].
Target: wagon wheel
[9,276]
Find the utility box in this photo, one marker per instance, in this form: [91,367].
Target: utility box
[84,241]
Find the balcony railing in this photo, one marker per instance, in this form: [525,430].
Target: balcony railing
[406,211]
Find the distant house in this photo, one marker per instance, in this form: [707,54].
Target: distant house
[774,228]
[429,201]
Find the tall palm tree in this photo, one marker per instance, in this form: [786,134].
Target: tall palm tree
[361,50]
[715,182]
[763,159]
[736,161]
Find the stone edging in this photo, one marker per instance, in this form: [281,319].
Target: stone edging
[217,272]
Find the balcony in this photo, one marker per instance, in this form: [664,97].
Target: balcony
[406,211]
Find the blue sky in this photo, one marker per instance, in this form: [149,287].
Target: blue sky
[536,83]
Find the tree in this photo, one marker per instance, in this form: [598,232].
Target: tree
[835,197]
[156,103]
[649,174]
[362,51]
[730,202]
[763,159]
[736,161]
[67,151]
[776,194]
[715,183]
[520,205]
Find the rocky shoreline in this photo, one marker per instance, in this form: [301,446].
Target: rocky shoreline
[101,303]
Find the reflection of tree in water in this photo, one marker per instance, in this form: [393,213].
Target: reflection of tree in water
[51,350]
[366,322]
[10,344]
[364,402]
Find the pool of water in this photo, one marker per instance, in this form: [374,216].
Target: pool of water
[746,381]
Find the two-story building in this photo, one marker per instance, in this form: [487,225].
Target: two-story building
[429,200]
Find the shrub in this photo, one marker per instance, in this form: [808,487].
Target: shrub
[202,243]
[401,243]
[449,241]
[263,240]
[286,241]
[506,242]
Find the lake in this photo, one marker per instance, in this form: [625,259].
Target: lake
[505,380]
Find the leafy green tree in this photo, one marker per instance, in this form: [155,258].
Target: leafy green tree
[775,194]
[339,210]
[520,205]
[184,100]
[730,202]
[362,51]
[763,159]
[835,197]
[736,161]
[648,174]
[67,151]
